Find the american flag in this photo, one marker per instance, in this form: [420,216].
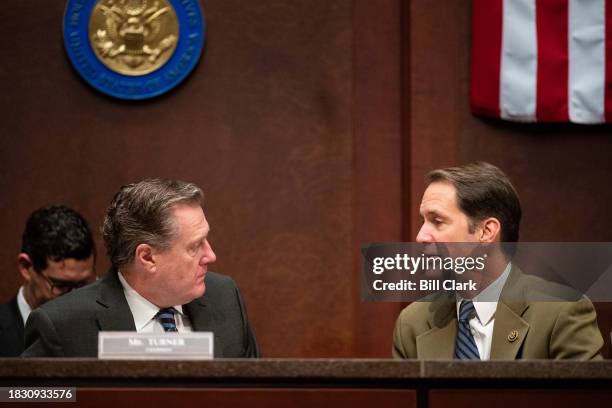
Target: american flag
[542,60]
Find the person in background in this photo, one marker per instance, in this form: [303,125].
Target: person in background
[57,256]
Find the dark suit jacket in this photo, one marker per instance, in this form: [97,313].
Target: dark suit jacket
[11,330]
[68,326]
[546,323]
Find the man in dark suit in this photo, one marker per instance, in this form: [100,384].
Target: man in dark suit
[156,236]
[57,255]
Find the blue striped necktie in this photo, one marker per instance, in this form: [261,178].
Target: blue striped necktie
[465,346]
[166,318]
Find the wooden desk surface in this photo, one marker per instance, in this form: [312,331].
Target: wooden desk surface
[281,372]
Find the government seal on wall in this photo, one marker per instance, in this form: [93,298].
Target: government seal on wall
[133,49]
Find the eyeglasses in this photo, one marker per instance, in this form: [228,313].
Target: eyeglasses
[60,287]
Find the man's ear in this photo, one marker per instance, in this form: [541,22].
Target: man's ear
[144,256]
[25,266]
[490,230]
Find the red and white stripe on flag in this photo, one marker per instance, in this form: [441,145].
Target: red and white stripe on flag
[542,60]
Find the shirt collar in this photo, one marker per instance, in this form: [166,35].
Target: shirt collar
[22,304]
[142,310]
[485,309]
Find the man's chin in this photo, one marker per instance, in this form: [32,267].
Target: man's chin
[201,290]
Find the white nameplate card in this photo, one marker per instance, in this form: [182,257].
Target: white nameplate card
[155,346]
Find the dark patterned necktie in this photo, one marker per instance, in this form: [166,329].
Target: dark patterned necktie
[465,346]
[166,318]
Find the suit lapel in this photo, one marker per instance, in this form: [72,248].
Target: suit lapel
[11,329]
[115,314]
[439,341]
[509,333]
[10,316]
[510,329]
[199,315]
[202,320]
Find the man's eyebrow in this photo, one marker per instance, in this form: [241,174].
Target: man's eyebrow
[201,237]
[435,213]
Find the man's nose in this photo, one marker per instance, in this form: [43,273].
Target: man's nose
[424,236]
[209,254]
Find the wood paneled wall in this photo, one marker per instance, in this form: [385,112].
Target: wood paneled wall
[309,124]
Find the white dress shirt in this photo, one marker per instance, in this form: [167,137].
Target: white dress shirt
[481,325]
[22,304]
[144,312]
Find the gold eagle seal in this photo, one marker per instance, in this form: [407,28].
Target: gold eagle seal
[133,37]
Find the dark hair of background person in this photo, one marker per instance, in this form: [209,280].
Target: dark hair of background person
[56,232]
[483,191]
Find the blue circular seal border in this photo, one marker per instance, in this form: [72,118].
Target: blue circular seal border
[192,35]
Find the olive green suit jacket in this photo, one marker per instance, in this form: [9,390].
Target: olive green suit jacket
[523,328]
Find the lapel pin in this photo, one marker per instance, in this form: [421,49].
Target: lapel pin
[513,336]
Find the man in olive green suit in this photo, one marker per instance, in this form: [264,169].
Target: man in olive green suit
[524,316]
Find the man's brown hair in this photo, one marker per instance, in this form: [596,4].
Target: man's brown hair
[483,191]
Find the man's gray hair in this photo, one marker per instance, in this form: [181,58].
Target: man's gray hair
[141,213]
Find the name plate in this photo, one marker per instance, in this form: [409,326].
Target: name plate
[155,346]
